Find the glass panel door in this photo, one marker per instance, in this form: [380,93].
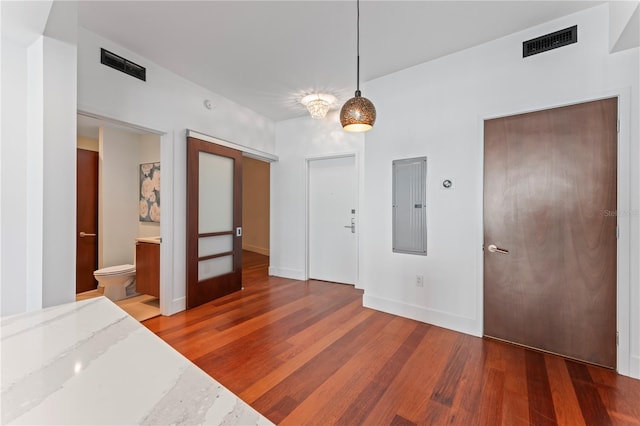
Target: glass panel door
[215,206]
[213,221]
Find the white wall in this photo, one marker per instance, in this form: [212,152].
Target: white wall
[149,152]
[297,140]
[436,109]
[14,177]
[624,25]
[164,102]
[121,153]
[170,104]
[118,196]
[39,93]
[59,172]
[35,174]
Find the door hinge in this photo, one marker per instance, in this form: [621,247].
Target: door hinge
[618,126]
[617,232]
[617,338]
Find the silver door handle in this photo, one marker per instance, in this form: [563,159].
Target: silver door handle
[352,226]
[494,249]
[84,234]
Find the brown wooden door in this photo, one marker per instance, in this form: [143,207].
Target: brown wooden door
[549,200]
[86,220]
[214,221]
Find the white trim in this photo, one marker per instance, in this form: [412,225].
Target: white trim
[624,300]
[623,288]
[175,305]
[295,274]
[461,324]
[119,123]
[634,369]
[246,151]
[168,306]
[308,159]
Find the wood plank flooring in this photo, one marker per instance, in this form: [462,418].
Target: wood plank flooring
[307,352]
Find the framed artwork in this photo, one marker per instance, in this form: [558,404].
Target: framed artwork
[149,205]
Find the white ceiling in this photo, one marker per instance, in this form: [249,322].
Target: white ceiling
[267,54]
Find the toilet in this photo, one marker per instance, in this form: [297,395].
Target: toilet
[115,280]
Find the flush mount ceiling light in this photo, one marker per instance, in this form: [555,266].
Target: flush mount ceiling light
[358,114]
[318,104]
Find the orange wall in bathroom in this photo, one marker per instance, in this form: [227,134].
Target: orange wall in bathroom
[255,206]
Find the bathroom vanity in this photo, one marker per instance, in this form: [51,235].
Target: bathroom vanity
[148,266]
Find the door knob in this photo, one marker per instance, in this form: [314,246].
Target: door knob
[494,249]
[84,234]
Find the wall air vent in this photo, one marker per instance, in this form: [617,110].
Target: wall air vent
[121,64]
[550,41]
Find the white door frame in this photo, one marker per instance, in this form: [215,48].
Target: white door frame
[307,170]
[625,365]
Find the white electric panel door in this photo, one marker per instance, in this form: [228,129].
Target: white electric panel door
[410,206]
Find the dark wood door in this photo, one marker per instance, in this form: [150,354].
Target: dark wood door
[86,220]
[214,221]
[550,200]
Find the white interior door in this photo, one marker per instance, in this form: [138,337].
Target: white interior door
[332,212]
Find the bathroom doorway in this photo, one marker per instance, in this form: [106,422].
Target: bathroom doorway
[255,205]
[129,166]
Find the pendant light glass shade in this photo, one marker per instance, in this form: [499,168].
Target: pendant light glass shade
[358,114]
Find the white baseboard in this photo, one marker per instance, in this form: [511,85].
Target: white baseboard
[295,274]
[260,250]
[177,305]
[441,319]
[634,368]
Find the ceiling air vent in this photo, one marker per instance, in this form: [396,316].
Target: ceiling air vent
[121,64]
[550,41]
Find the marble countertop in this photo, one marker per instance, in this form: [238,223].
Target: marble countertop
[89,362]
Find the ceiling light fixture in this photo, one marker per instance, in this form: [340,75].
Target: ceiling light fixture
[318,104]
[358,114]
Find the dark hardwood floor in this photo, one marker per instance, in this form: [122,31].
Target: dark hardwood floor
[307,352]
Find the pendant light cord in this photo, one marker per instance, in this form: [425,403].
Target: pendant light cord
[358,48]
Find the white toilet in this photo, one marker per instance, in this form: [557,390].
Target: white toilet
[115,280]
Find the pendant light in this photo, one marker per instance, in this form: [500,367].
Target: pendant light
[358,114]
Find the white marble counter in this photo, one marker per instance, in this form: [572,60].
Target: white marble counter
[89,362]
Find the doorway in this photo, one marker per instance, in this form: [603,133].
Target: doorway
[122,156]
[332,224]
[86,219]
[550,247]
[255,205]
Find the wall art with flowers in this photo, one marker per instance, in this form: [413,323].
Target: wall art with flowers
[149,205]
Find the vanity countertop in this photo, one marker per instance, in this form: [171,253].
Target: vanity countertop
[89,362]
[152,240]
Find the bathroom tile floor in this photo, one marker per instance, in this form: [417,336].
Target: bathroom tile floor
[141,307]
